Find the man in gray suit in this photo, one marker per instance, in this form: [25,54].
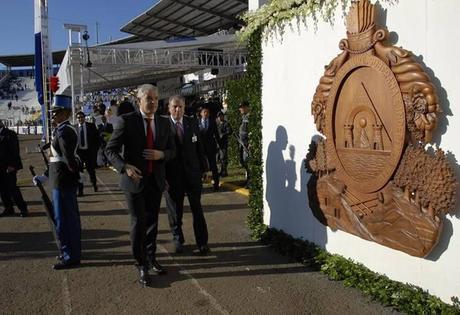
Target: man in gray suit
[148,143]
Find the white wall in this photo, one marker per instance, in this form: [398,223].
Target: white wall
[291,71]
[255,4]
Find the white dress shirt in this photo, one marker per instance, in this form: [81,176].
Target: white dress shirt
[152,123]
[85,147]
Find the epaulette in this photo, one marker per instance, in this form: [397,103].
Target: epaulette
[62,127]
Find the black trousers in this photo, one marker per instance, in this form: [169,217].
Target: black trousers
[211,156]
[143,209]
[175,206]
[10,191]
[90,161]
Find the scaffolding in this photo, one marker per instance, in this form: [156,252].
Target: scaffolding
[101,68]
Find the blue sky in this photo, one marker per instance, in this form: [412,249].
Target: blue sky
[17,21]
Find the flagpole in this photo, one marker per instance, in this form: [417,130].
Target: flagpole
[43,64]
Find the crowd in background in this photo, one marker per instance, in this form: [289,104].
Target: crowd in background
[102,109]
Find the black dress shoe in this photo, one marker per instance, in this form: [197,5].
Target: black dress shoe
[66,265]
[144,276]
[95,188]
[156,267]
[24,213]
[7,212]
[204,249]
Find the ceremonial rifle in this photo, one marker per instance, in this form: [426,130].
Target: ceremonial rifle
[45,158]
[240,142]
[48,208]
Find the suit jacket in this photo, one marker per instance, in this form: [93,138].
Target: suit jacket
[189,162]
[210,137]
[92,136]
[107,128]
[130,133]
[9,150]
[105,132]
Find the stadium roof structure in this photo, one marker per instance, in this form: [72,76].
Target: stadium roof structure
[28,60]
[125,65]
[185,18]
[167,19]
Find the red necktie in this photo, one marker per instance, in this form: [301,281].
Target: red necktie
[179,130]
[150,142]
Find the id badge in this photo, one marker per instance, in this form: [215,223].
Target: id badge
[194,138]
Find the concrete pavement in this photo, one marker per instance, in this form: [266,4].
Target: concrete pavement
[240,276]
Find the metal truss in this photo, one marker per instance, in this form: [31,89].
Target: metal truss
[101,68]
[166,57]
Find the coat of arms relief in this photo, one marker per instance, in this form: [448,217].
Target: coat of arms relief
[371,174]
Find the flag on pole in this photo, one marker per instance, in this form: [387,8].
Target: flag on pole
[43,61]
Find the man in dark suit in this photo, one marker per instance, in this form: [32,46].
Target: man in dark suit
[210,137]
[10,163]
[88,145]
[148,143]
[105,130]
[183,174]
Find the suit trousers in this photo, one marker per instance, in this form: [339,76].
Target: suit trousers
[10,191]
[211,157]
[175,207]
[68,226]
[143,209]
[90,160]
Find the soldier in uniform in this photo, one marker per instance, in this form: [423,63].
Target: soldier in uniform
[64,176]
[225,130]
[243,142]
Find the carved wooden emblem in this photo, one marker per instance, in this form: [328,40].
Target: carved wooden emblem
[372,177]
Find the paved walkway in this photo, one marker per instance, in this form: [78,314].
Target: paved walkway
[240,276]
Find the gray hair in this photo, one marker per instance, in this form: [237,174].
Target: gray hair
[145,88]
[177,98]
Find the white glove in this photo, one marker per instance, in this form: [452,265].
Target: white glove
[39,178]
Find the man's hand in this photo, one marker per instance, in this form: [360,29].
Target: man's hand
[153,155]
[10,169]
[133,172]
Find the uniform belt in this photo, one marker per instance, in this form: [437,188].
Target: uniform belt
[55,159]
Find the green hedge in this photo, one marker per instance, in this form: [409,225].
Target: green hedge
[237,91]
[250,88]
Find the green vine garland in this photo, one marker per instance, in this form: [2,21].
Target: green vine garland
[250,88]
[272,17]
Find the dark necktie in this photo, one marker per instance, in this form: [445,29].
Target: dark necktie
[82,136]
[179,130]
[150,142]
